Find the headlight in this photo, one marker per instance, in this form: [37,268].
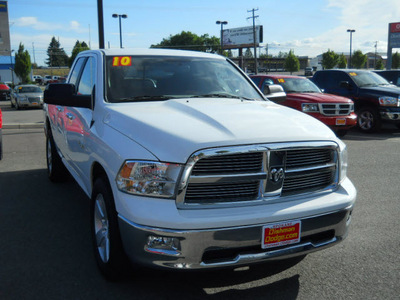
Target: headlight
[310,107]
[148,178]
[388,101]
[343,162]
[23,98]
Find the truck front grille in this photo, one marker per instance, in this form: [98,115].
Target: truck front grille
[246,174]
[336,109]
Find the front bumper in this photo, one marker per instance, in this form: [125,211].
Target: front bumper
[391,116]
[234,246]
[337,122]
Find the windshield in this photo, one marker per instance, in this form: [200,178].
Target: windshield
[363,79]
[147,78]
[298,85]
[29,89]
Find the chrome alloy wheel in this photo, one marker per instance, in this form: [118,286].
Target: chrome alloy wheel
[101,228]
[366,120]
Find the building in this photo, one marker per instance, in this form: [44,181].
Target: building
[5,44]
[7,61]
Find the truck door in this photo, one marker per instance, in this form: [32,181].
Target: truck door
[57,113]
[78,121]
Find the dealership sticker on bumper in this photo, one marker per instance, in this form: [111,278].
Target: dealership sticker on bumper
[340,121]
[280,234]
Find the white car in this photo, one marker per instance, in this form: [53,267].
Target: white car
[27,95]
[189,166]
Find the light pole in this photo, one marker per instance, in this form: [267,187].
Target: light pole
[222,34]
[351,38]
[120,30]
[11,68]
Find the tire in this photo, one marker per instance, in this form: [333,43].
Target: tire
[341,133]
[56,170]
[17,106]
[107,245]
[368,120]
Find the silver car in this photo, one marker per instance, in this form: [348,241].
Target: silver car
[26,96]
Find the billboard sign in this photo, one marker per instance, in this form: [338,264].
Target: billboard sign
[3,6]
[242,37]
[394,35]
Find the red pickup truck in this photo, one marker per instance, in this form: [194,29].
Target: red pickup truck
[302,94]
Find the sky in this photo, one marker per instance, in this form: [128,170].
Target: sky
[308,27]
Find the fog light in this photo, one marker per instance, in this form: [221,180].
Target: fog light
[163,245]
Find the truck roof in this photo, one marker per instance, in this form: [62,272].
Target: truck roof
[157,52]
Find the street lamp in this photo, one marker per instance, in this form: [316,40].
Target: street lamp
[222,37]
[351,35]
[11,68]
[120,30]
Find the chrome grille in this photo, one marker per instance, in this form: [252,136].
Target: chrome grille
[222,192]
[220,176]
[296,158]
[336,109]
[229,164]
[34,99]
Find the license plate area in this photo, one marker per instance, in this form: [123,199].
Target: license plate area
[280,234]
[340,122]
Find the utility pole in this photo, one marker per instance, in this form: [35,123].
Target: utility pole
[34,59]
[254,38]
[376,46]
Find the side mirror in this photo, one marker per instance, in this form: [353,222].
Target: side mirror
[64,94]
[345,84]
[275,93]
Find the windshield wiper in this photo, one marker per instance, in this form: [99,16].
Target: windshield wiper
[220,95]
[368,84]
[146,98]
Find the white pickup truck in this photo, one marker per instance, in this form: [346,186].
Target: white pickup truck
[189,166]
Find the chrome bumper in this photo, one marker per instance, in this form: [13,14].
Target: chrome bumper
[390,116]
[224,247]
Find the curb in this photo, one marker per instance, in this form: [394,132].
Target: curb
[23,125]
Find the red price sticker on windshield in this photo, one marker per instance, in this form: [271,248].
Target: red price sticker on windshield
[122,61]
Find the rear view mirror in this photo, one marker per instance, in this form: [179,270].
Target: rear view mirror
[345,84]
[64,94]
[275,93]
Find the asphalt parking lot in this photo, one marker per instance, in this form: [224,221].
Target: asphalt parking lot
[45,251]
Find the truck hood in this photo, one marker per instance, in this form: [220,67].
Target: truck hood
[318,98]
[391,90]
[173,130]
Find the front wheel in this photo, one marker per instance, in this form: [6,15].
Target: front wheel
[368,120]
[108,250]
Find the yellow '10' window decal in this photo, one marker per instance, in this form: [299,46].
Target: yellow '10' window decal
[281,80]
[353,74]
[122,61]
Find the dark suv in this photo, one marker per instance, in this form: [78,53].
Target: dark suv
[375,99]
[393,76]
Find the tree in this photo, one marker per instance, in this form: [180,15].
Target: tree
[56,55]
[23,66]
[359,59]
[396,60]
[329,59]
[79,47]
[292,63]
[190,41]
[248,53]
[379,65]
[342,62]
